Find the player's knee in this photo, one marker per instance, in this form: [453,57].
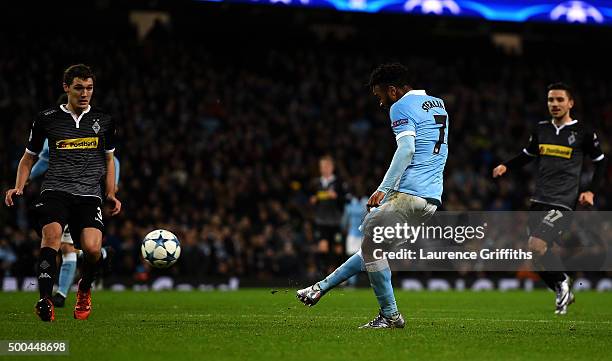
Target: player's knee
[91,248]
[537,246]
[51,235]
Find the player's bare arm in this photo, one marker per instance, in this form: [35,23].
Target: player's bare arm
[110,184]
[23,172]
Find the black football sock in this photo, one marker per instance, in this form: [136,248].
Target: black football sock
[90,273]
[47,268]
[552,262]
[552,279]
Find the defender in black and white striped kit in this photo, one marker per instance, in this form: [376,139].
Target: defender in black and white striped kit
[81,145]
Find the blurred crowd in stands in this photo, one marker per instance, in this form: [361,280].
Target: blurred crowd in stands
[221,143]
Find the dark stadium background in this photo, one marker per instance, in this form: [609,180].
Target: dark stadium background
[224,111]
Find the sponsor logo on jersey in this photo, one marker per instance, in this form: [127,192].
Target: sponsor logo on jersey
[78,143]
[554,150]
[324,195]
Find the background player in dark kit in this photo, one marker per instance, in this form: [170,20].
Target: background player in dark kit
[559,145]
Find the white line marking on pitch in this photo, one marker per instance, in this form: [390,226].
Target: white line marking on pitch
[439,319]
[407,318]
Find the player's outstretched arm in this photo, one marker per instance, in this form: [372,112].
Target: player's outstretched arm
[516,162]
[529,153]
[23,172]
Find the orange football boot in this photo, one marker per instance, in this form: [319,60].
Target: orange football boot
[82,308]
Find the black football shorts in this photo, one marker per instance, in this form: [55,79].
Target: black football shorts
[78,212]
[548,222]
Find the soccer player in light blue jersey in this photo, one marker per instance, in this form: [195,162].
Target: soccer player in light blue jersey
[69,253]
[354,212]
[410,192]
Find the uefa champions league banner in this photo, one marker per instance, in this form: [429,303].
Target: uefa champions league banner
[580,12]
[493,241]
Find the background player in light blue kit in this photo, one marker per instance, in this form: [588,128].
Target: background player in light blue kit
[354,211]
[411,188]
[69,253]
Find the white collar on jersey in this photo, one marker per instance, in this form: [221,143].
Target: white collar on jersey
[76,118]
[558,129]
[415,92]
[326,181]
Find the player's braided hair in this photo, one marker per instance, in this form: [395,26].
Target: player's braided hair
[390,74]
[80,71]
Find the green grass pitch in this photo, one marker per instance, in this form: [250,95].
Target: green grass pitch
[257,324]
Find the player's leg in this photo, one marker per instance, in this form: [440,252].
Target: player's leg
[312,294]
[67,270]
[87,221]
[52,215]
[557,281]
[398,209]
[378,270]
[544,259]
[47,268]
[551,225]
[348,269]
[353,245]
[107,253]
[324,245]
[91,242]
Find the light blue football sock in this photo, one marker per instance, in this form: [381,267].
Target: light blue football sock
[348,269]
[67,271]
[380,280]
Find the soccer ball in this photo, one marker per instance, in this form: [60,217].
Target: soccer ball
[160,248]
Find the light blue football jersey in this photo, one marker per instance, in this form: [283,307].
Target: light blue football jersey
[424,117]
[354,211]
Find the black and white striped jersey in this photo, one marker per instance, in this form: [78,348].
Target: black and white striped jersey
[77,147]
[560,153]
